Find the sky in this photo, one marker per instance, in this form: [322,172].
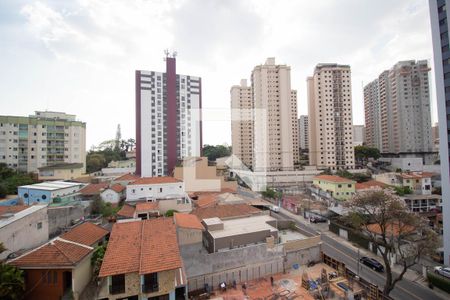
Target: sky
[80,56]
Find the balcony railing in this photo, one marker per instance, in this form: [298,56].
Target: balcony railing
[116,289]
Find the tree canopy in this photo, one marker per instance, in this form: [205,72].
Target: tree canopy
[12,283]
[100,156]
[363,153]
[383,218]
[10,179]
[214,152]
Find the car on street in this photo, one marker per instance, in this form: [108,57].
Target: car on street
[275,208]
[317,220]
[443,271]
[372,263]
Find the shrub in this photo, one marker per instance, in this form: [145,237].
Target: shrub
[439,281]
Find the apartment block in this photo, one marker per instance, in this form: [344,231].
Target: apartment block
[43,139]
[303,132]
[439,14]
[242,122]
[372,114]
[398,104]
[275,139]
[330,117]
[168,119]
[359,135]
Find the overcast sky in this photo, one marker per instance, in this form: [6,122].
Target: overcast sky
[80,56]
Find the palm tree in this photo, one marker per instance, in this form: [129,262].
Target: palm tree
[12,284]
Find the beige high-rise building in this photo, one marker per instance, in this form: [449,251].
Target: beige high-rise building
[330,117]
[275,118]
[242,122]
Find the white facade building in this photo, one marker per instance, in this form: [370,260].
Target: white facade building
[359,132]
[330,117]
[303,132]
[45,138]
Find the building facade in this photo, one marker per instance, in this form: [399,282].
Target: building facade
[242,122]
[439,14]
[330,117]
[359,135]
[398,103]
[275,138]
[45,138]
[303,133]
[168,119]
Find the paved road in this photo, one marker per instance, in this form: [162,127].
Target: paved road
[405,289]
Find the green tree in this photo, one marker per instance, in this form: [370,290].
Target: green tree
[10,179]
[12,283]
[363,153]
[97,259]
[270,193]
[398,231]
[214,152]
[170,212]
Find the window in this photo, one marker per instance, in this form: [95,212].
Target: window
[349,185]
[150,283]
[117,284]
[160,190]
[44,197]
[39,225]
[25,195]
[339,185]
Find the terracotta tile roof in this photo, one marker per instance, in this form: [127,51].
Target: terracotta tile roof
[56,253]
[126,211]
[83,179]
[206,200]
[86,234]
[370,185]
[117,188]
[12,209]
[155,180]
[94,188]
[127,177]
[417,175]
[188,221]
[142,246]
[333,178]
[225,211]
[146,206]
[392,229]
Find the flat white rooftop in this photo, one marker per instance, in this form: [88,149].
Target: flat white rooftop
[243,226]
[21,214]
[51,185]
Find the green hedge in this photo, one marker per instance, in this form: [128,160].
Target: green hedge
[439,281]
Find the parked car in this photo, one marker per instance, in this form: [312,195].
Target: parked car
[317,220]
[372,263]
[275,208]
[442,271]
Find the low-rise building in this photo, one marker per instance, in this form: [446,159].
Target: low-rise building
[224,212]
[62,171]
[222,235]
[22,227]
[167,191]
[125,179]
[338,187]
[369,186]
[113,194]
[189,229]
[62,267]
[143,261]
[423,203]
[46,192]
[93,189]
[418,182]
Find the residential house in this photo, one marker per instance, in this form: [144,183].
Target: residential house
[224,212]
[189,229]
[113,194]
[61,171]
[126,212]
[139,210]
[143,261]
[62,267]
[46,192]
[93,190]
[125,179]
[338,187]
[22,228]
[369,186]
[167,191]
[418,182]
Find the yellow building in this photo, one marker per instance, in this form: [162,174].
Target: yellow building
[63,171]
[339,188]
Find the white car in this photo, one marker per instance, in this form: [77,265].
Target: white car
[442,271]
[275,208]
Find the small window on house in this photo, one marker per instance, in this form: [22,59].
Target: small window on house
[160,190]
[133,191]
[39,225]
[349,185]
[44,197]
[25,195]
[339,185]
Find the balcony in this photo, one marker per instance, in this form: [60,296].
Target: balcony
[116,289]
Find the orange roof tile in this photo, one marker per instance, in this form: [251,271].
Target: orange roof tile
[417,175]
[333,178]
[188,221]
[117,188]
[146,246]
[127,177]
[155,180]
[225,211]
[85,233]
[392,229]
[126,211]
[12,209]
[146,206]
[369,185]
[94,188]
[205,200]
[57,253]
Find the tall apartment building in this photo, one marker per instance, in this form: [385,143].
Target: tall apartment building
[168,119]
[43,139]
[330,117]
[400,108]
[275,138]
[372,114]
[359,135]
[303,132]
[439,14]
[242,122]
